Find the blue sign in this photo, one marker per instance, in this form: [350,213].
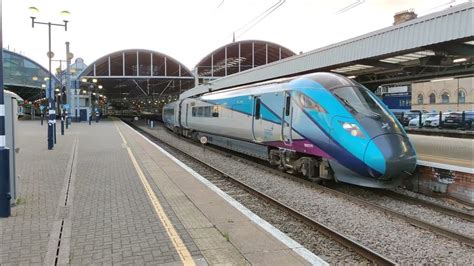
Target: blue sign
[42,107]
[66,106]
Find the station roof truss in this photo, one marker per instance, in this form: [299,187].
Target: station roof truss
[136,74]
[25,77]
[240,56]
[435,45]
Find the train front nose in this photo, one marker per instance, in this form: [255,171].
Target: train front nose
[392,155]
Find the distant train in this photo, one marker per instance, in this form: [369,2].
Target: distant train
[321,125]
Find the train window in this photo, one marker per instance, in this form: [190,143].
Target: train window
[287,105]
[169,112]
[257,108]
[194,111]
[207,111]
[215,111]
[308,103]
[200,111]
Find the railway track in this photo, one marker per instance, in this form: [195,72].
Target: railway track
[349,243]
[399,215]
[439,208]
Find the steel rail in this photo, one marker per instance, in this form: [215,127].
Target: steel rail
[360,249]
[439,208]
[409,219]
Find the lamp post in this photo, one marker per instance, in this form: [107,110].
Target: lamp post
[50,96]
[90,86]
[64,88]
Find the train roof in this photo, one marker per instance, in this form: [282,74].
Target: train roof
[331,80]
[326,79]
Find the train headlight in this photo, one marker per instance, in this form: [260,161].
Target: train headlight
[352,129]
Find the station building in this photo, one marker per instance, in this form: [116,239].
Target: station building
[446,95]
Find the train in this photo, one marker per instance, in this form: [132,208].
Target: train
[323,126]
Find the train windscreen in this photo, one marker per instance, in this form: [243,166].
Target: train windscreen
[359,100]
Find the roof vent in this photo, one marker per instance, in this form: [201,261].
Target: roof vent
[404,16]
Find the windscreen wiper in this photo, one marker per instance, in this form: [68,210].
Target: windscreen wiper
[374,114]
[346,103]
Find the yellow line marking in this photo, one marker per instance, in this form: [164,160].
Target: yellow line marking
[178,244]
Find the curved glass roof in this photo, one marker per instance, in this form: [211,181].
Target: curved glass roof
[24,76]
[240,56]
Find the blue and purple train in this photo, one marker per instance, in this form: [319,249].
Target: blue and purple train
[321,125]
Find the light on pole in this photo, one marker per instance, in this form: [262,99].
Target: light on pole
[50,94]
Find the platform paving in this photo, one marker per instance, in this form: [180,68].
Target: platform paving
[105,208]
[446,150]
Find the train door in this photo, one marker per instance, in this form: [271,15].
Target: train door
[287,120]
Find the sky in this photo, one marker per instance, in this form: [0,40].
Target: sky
[188,30]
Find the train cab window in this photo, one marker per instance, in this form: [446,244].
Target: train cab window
[257,108]
[194,112]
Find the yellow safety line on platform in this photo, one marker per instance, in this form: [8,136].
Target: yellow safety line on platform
[178,244]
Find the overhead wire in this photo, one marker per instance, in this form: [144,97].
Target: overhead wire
[349,7]
[252,23]
[220,4]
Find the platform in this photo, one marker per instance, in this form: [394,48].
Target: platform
[444,150]
[107,195]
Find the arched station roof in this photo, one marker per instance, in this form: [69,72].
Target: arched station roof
[24,76]
[240,56]
[138,73]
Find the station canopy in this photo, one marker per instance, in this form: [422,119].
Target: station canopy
[239,56]
[25,77]
[138,75]
[433,46]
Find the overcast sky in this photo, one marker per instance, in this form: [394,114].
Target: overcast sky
[190,29]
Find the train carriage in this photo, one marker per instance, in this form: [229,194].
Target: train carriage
[321,125]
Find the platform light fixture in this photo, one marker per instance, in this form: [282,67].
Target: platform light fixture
[459,60]
[351,77]
[84,80]
[84,91]
[100,87]
[443,79]
[94,80]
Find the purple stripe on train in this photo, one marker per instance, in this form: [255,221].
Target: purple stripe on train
[303,146]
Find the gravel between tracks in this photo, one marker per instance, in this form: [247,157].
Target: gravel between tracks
[387,235]
[426,214]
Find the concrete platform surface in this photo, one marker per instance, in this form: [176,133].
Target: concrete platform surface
[107,195]
[445,150]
